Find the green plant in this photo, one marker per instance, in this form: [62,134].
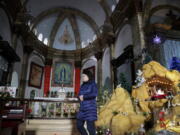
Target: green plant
[103,96]
[151,132]
[145,114]
[123,82]
[5,95]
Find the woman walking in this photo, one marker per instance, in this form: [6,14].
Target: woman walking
[88,108]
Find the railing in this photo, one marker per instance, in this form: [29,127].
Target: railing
[43,108]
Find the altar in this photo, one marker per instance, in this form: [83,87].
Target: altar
[48,107]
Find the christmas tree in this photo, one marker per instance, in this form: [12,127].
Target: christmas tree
[123,82]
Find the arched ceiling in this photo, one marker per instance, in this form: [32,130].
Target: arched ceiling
[81,19]
[92,8]
[65,28]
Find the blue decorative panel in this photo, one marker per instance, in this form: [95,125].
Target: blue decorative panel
[62,74]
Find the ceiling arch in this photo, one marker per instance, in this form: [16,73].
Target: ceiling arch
[74,25]
[54,30]
[62,13]
[160,7]
[92,8]
[67,11]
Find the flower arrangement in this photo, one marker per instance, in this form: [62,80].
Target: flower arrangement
[140,79]
[103,131]
[70,109]
[103,96]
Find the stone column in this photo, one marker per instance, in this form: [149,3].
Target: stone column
[78,64]
[9,74]
[112,55]
[138,35]
[11,65]
[24,73]
[98,56]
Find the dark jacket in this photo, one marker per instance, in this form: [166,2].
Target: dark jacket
[88,107]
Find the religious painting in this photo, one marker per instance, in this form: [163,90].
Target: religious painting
[63,74]
[35,76]
[92,70]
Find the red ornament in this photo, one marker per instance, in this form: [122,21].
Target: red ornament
[161,119]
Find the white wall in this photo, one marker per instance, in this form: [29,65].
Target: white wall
[15,79]
[39,92]
[124,39]
[106,73]
[18,65]
[5,30]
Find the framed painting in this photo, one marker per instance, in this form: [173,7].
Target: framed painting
[63,73]
[35,76]
[92,70]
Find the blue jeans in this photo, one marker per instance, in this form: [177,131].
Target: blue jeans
[90,127]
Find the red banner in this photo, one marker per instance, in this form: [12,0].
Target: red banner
[77,80]
[47,77]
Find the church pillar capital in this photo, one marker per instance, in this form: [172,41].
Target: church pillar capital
[77,64]
[48,61]
[99,55]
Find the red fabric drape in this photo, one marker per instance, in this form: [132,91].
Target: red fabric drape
[47,79]
[77,80]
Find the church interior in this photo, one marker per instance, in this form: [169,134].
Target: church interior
[131,47]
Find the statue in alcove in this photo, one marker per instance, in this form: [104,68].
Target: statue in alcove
[32,94]
[34,105]
[62,76]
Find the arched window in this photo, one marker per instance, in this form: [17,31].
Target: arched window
[29,23]
[94,37]
[89,41]
[83,44]
[40,36]
[112,8]
[35,31]
[46,41]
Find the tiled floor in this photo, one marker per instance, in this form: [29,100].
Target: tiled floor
[51,127]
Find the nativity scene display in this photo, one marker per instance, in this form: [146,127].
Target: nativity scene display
[152,108]
[160,87]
